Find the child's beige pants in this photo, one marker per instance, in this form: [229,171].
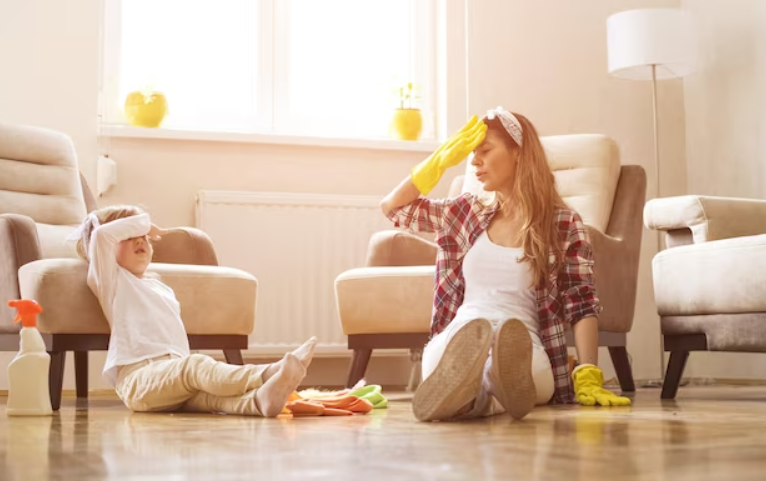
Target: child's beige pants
[193,383]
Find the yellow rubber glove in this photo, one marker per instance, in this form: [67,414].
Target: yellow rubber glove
[588,386]
[426,174]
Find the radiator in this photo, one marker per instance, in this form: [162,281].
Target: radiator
[295,245]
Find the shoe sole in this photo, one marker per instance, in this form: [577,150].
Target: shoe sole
[513,353]
[457,378]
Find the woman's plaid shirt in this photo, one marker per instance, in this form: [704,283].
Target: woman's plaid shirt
[567,296]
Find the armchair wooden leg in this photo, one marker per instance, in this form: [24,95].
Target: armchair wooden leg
[619,355]
[676,366]
[56,377]
[359,363]
[234,356]
[81,373]
[416,369]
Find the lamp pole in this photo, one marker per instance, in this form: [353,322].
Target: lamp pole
[657,195]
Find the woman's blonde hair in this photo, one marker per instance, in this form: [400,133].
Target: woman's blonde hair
[104,216]
[535,196]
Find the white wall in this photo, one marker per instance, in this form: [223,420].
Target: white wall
[546,59]
[726,128]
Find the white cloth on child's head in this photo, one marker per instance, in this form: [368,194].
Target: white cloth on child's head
[78,233]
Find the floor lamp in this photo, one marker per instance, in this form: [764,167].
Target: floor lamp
[651,44]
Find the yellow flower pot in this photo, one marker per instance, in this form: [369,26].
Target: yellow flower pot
[407,124]
[146,110]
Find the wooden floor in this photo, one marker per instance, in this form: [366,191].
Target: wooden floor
[707,434]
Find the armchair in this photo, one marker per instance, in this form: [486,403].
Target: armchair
[710,283]
[43,198]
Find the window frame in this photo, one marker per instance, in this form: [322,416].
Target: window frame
[442,60]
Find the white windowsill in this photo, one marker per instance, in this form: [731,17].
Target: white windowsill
[123,131]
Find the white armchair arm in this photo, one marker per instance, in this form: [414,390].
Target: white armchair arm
[707,218]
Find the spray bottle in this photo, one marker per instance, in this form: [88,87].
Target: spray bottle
[28,391]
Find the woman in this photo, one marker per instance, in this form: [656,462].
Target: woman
[514,271]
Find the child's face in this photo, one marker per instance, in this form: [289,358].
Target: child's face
[135,254]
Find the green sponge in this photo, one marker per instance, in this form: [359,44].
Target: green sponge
[373,394]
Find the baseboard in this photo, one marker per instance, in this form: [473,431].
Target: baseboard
[706,381]
[71,393]
[734,382]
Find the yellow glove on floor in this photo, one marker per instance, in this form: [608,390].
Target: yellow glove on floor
[588,382]
[426,174]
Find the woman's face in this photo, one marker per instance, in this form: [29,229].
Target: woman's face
[495,161]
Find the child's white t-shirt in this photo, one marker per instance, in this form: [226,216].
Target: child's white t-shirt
[143,313]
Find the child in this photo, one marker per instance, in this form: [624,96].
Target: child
[148,361]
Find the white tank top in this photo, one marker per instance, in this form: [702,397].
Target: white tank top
[498,287]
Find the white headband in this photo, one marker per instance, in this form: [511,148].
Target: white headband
[509,121]
[78,233]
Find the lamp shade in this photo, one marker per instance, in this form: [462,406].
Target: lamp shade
[638,39]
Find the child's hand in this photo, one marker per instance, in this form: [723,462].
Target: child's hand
[155,233]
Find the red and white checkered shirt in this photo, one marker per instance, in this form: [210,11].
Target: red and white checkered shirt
[567,296]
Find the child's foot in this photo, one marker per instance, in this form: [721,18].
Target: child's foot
[305,353]
[272,396]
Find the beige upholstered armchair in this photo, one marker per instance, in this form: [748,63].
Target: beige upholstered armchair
[387,305]
[710,282]
[42,199]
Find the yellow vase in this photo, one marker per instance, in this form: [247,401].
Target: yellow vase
[407,124]
[146,110]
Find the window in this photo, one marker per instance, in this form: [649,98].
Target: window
[298,67]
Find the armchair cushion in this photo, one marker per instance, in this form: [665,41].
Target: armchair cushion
[214,300]
[54,243]
[385,300]
[707,218]
[719,277]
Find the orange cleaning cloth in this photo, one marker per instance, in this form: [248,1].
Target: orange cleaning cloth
[344,405]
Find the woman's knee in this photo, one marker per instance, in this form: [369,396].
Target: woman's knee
[542,375]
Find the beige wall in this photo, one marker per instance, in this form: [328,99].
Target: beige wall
[545,59]
[726,128]
[49,68]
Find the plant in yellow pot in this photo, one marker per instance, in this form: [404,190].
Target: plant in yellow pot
[146,108]
[407,123]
